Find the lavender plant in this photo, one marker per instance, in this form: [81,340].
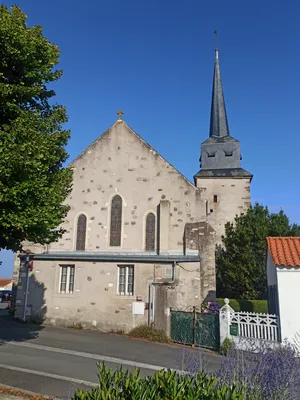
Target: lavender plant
[260,373]
[263,372]
[191,361]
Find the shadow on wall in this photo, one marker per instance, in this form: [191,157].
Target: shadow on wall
[15,329]
[210,297]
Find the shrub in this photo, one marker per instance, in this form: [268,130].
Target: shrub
[226,346]
[257,306]
[147,332]
[210,308]
[124,385]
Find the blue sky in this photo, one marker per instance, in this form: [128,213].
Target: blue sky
[154,59]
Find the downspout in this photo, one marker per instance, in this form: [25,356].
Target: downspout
[149,303]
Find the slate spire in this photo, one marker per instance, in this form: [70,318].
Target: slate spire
[218,118]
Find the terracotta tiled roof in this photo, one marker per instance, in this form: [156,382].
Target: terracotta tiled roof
[285,250]
[4,282]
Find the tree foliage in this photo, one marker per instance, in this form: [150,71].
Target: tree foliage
[33,182]
[241,260]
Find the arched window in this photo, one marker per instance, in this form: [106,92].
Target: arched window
[150,232]
[116,221]
[81,232]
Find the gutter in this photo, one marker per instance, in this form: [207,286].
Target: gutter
[146,258]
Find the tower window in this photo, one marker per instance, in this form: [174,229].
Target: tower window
[116,221]
[215,198]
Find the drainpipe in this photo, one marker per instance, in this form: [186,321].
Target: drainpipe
[149,302]
[173,276]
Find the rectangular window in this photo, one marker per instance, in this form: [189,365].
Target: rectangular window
[215,198]
[67,274]
[125,280]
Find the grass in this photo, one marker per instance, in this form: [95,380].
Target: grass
[76,325]
[117,331]
[149,333]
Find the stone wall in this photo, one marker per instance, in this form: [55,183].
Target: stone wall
[233,198]
[95,302]
[120,162]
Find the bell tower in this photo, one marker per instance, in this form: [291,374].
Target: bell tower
[226,184]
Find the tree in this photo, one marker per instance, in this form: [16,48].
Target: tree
[33,182]
[241,260]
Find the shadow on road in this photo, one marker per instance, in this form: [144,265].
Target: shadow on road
[12,329]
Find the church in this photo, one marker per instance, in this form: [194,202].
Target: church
[139,237]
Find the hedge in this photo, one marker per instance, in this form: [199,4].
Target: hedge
[164,384]
[257,306]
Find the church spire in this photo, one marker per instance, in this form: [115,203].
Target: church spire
[218,118]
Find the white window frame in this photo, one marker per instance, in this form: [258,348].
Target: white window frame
[69,268]
[126,293]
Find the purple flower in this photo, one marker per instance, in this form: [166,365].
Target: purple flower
[263,373]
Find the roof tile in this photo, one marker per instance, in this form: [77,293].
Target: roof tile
[285,251]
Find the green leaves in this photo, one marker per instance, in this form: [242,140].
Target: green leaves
[241,261]
[165,385]
[33,183]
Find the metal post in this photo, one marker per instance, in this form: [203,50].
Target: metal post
[26,295]
[27,261]
[194,324]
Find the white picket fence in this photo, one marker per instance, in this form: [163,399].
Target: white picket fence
[254,325]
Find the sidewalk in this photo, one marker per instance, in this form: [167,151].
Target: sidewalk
[9,393]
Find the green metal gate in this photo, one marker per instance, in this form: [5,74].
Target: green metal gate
[195,328]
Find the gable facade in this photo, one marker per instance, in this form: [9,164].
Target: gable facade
[120,180]
[135,234]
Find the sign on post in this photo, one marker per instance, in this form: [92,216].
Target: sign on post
[234,330]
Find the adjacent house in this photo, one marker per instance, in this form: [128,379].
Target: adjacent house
[140,237]
[283,273]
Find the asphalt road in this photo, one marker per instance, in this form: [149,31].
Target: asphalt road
[55,361]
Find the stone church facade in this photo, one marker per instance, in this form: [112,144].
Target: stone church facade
[140,237]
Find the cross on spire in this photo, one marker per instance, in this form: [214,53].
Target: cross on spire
[120,115]
[216,38]
[218,117]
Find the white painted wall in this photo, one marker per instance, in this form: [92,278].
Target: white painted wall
[289,296]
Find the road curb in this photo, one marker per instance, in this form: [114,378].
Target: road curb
[18,392]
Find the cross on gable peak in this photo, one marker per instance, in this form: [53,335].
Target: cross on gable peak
[120,115]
